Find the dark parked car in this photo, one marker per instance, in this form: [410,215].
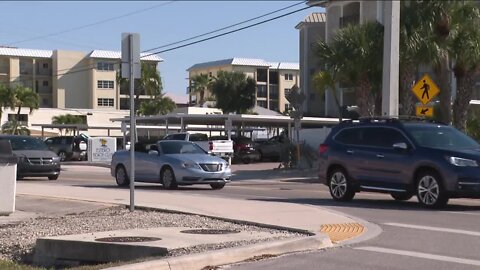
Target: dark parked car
[35,159]
[274,148]
[67,147]
[243,148]
[432,160]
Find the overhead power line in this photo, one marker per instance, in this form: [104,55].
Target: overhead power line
[229,32]
[196,42]
[93,24]
[226,27]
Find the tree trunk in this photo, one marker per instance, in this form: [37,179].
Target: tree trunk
[465,88]
[443,75]
[364,98]
[202,97]
[407,81]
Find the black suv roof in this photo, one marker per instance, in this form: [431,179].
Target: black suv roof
[392,121]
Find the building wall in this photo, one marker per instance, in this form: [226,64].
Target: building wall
[100,92]
[71,88]
[250,71]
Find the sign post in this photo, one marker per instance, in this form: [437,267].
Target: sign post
[296,99]
[425,90]
[131,69]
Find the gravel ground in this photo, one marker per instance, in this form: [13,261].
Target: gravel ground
[18,240]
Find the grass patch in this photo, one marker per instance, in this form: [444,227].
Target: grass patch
[9,265]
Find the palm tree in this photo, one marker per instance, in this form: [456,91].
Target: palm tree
[200,84]
[160,105]
[14,128]
[67,119]
[325,80]
[234,92]
[354,53]
[464,48]
[24,97]
[150,82]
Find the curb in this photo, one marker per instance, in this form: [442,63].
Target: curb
[232,255]
[79,163]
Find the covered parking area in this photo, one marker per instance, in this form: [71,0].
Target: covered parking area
[173,123]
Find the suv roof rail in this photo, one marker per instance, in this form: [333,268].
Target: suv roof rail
[400,118]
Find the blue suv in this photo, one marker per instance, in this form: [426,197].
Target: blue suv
[431,160]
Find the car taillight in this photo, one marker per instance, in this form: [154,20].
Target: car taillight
[210,147]
[323,148]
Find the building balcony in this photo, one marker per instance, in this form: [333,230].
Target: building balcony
[353,19]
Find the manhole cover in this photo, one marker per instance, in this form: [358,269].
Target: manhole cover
[210,231]
[127,239]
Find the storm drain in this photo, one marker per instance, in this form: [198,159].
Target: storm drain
[127,239]
[209,231]
[342,232]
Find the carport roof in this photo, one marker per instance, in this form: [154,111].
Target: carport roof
[237,119]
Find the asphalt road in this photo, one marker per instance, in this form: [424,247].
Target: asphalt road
[412,237]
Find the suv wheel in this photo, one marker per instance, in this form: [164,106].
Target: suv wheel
[402,196]
[430,191]
[340,187]
[62,155]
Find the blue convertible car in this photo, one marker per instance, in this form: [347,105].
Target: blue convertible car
[171,163]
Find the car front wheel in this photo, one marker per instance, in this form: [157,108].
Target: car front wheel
[430,192]
[340,187]
[168,178]
[402,196]
[121,176]
[217,185]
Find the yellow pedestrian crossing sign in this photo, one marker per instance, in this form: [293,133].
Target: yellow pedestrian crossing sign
[424,111]
[425,89]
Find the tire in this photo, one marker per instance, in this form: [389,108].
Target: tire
[430,191]
[167,177]
[246,160]
[121,177]
[340,186]
[53,177]
[217,186]
[401,196]
[62,155]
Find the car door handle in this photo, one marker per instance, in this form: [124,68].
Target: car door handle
[350,152]
[380,156]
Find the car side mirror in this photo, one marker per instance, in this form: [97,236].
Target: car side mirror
[153,152]
[400,146]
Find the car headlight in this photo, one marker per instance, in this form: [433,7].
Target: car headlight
[462,162]
[190,165]
[226,165]
[56,159]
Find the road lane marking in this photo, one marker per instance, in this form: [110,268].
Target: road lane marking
[462,213]
[437,229]
[421,255]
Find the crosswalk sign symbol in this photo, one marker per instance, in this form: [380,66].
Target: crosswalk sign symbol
[425,89]
[424,111]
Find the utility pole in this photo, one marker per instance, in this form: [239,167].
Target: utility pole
[391,51]
[131,69]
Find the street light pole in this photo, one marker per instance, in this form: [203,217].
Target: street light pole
[391,51]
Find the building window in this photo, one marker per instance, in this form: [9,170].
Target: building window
[45,83]
[287,107]
[210,74]
[262,103]
[105,102]
[274,91]
[22,118]
[262,75]
[105,66]
[45,65]
[262,91]
[274,105]
[105,84]
[288,77]
[287,91]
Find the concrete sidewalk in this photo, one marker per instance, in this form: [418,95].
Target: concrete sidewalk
[265,213]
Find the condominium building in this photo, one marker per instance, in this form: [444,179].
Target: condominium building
[274,79]
[69,79]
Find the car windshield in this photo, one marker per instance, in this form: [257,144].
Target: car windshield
[27,143]
[443,137]
[169,147]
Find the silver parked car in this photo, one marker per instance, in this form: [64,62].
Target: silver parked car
[171,163]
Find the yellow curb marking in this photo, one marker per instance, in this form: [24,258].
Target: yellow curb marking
[342,232]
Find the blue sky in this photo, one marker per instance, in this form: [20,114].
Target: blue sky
[164,23]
